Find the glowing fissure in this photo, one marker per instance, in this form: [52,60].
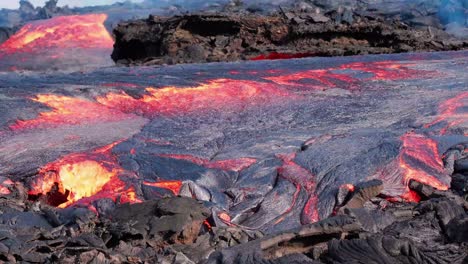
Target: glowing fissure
[301,177]
[228,165]
[173,186]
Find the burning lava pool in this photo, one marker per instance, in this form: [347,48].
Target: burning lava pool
[268,143]
[63,43]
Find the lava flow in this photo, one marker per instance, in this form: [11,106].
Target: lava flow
[66,39]
[334,77]
[213,95]
[454,112]
[69,111]
[301,178]
[228,165]
[85,31]
[83,175]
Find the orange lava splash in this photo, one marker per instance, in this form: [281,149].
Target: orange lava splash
[228,165]
[83,31]
[69,111]
[85,177]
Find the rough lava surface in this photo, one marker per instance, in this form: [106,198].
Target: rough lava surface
[268,143]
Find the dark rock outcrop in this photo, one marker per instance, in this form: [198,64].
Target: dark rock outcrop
[234,36]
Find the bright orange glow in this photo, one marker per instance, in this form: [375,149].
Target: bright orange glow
[453,111]
[228,165]
[69,111]
[349,186]
[4,190]
[213,95]
[84,179]
[330,78]
[84,31]
[411,196]
[325,78]
[173,186]
[224,217]
[87,177]
[420,160]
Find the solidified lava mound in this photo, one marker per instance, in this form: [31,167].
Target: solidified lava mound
[289,34]
[318,160]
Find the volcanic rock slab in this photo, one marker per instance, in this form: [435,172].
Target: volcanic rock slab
[269,144]
[290,34]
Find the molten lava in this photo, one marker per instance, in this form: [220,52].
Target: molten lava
[213,95]
[69,111]
[84,31]
[330,78]
[453,111]
[68,42]
[4,187]
[420,160]
[385,70]
[85,177]
[228,165]
[301,178]
[173,186]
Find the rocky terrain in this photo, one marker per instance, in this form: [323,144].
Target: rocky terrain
[317,160]
[335,159]
[289,34]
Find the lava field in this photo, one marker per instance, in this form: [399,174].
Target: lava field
[357,159]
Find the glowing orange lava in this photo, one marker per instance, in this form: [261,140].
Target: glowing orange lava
[173,186]
[385,70]
[215,94]
[301,178]
[86,177]
[83,31]
[4,190]
[453,111]
[331,77]
[228,165]
[420,160]
[69,111]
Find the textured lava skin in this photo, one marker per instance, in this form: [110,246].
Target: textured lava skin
[269,143]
